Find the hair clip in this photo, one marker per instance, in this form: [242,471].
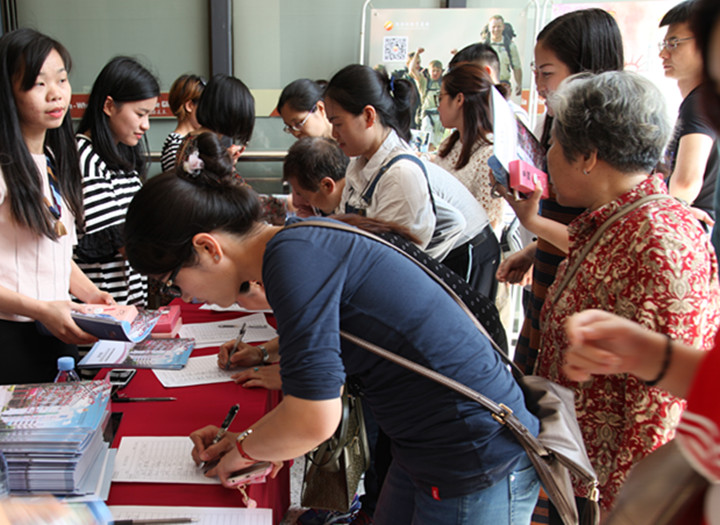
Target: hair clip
[193,165]
[392,85]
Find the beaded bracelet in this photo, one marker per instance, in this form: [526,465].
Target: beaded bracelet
[665,364]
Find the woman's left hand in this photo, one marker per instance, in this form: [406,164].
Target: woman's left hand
[260,376]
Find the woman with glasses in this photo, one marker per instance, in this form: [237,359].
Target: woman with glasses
[452,462]
[183,99]
[114,161]
[302,109]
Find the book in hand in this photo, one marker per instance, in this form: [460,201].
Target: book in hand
[101,321]
[169,354]
[518,157]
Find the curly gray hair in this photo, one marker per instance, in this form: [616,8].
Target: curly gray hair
[619,114]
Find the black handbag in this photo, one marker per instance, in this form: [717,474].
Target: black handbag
[558,449]
[333,470]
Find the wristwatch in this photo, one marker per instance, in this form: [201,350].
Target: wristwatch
[265,355]
[241,437]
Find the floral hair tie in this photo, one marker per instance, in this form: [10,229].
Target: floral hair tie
[193,164]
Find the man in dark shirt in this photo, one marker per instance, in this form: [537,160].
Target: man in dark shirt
[692,155]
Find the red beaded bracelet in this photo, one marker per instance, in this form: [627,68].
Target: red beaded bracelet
[239,441]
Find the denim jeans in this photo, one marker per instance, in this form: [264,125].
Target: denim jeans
[509,501]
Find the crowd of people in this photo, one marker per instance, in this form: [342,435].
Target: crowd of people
[624,304]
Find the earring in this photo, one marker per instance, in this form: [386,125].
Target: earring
[217,258]
[586,172]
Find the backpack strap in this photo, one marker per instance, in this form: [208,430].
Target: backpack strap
[367,195]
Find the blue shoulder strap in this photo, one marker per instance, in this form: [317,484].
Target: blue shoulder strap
[370,190]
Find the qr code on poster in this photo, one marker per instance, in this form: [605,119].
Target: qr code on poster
[395,48]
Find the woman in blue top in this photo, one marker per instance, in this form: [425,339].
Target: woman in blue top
[452,462]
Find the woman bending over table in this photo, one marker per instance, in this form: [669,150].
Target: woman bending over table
[452,462]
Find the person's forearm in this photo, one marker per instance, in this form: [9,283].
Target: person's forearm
[552,231]
[14,303]
[293,428]
[680,371]
[81,286]
[685,190]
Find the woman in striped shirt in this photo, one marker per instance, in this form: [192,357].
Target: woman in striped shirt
[114,161]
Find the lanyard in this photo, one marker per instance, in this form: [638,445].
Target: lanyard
[55,206]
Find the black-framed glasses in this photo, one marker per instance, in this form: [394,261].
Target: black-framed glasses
[298,127]
[671,43]
[169,287]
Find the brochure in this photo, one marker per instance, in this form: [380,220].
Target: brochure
[169,354]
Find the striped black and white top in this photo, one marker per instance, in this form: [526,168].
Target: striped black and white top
[107,195]
[170,149]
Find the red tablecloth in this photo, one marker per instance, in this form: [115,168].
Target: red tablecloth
[196,406]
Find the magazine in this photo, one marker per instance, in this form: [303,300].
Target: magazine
[169,354]
[518,157]
[106,326]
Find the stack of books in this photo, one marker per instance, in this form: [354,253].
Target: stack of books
[124,337]
[52,437]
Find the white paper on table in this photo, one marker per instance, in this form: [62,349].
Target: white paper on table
[232,308]
[158,459]
[219,332]
[203,515]
[202,370]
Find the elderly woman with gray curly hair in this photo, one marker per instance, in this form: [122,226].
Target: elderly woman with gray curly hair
[635,252]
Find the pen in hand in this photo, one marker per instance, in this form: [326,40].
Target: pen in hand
[238,340]
[221,432]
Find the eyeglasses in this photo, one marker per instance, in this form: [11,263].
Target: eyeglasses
[672,43]
[299,125]
[168,287]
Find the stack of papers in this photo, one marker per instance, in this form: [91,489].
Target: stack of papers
[51,435]
[219,332]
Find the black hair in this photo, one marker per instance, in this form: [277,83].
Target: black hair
[123,79]
[482,54]
[682,12]
[227,107]
[302,94]
[356,86]
[583,40]
[22,55]
[186,88]
[476,86]
[705,20]
[311,159]
[171,208]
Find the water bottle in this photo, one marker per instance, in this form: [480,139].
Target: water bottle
[4,477]
[66,370]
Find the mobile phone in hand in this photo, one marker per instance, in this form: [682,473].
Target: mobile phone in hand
[253,474]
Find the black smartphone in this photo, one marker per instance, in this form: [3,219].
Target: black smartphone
[120,377]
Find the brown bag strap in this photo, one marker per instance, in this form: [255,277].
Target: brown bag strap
[570,273]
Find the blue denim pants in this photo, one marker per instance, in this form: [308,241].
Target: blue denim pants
[509,501]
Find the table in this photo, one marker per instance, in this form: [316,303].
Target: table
[196,406]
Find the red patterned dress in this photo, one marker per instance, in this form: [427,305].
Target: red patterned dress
[656,267]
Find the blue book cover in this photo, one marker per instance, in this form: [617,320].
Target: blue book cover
[170,354]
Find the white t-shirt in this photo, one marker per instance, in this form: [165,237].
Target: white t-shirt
[30,264]
[400,196]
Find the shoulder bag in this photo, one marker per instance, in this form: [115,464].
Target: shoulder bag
[557,450]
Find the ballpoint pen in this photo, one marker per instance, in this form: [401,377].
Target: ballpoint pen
[221,432]
[137,399]
[238,340]
[150,521]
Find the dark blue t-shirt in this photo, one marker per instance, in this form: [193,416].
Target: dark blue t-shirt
[320,280]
